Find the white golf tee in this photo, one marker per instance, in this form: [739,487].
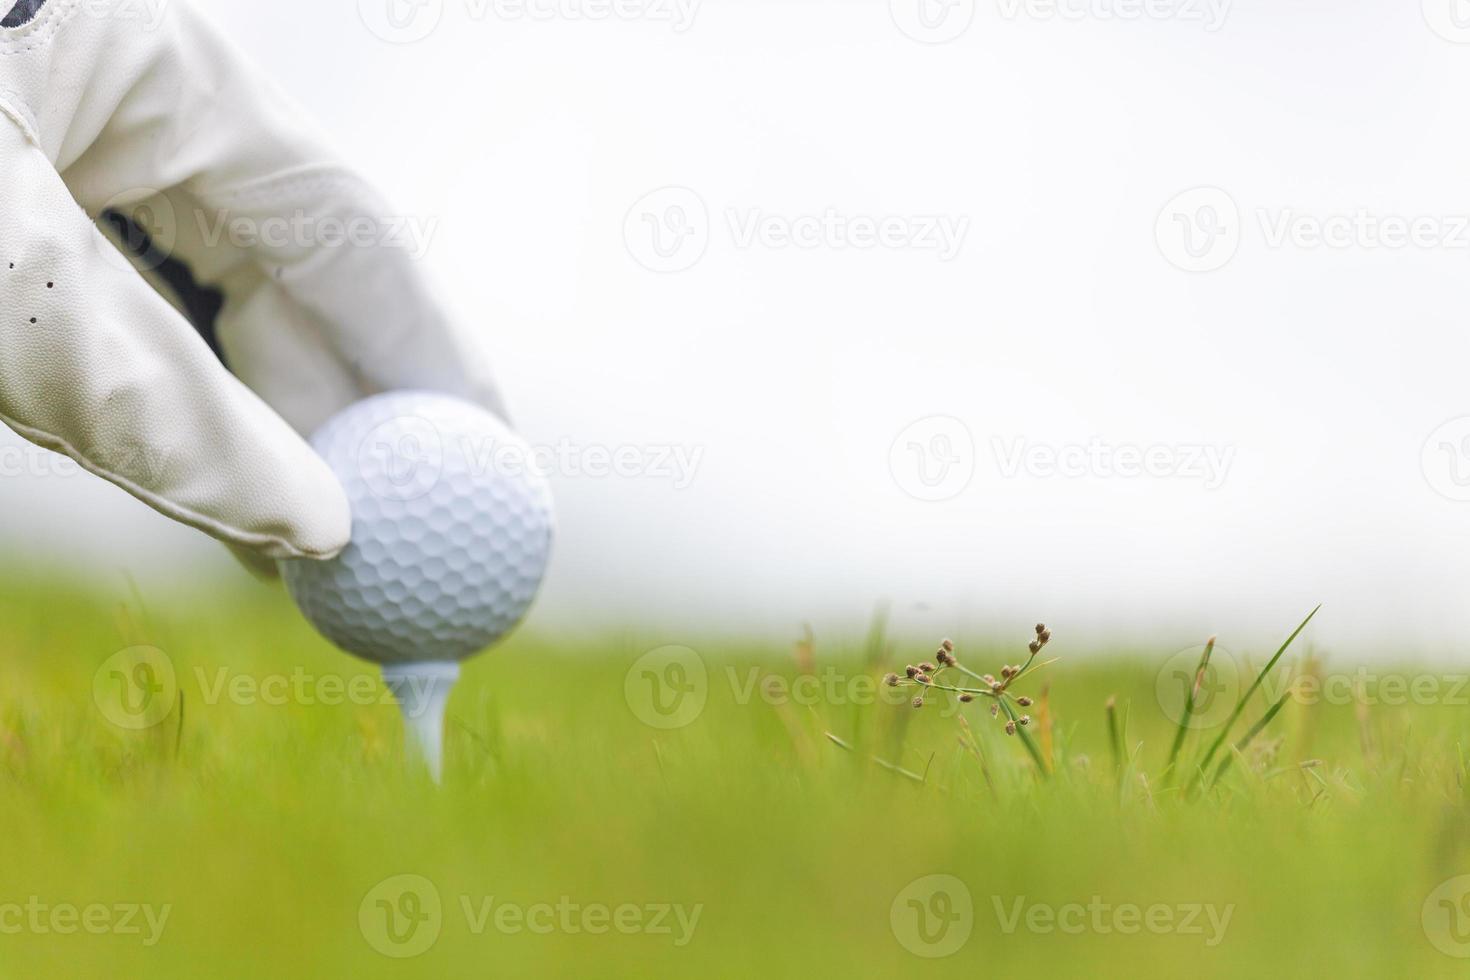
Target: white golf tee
[422,691]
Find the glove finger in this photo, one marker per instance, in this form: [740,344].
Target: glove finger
[331,247]
[187,112]
[275,346]
[96,365]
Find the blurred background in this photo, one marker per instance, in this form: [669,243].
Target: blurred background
[1144,319]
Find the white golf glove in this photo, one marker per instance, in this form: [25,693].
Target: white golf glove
[113,107]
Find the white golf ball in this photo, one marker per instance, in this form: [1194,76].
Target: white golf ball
[451,531]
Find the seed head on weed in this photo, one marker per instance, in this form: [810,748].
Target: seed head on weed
[931,677]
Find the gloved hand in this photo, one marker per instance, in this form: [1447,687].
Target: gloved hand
[105,111]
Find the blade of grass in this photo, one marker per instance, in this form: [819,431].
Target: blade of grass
[972,745]
[1130,757]
[1214,748]
[1115,740]
[1366,742]
[1044,726]
[898,770]
[1025,738]
[179,731]
[1241,745]
[1183,730]
[1148,791]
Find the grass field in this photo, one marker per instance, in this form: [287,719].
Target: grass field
[262,825]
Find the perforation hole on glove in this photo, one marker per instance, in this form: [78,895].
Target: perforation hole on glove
[49,284]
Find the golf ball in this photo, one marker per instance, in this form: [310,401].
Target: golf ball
[451,531]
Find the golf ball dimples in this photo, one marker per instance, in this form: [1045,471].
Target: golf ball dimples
[450,531]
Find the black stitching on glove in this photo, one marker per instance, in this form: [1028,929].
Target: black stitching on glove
[22,12]
[201,303]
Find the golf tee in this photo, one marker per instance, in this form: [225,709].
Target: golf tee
[422,691]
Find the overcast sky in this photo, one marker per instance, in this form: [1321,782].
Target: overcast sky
[1148,326]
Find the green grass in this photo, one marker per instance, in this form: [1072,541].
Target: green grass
[265,826]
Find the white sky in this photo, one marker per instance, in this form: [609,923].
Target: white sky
[1317,372]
